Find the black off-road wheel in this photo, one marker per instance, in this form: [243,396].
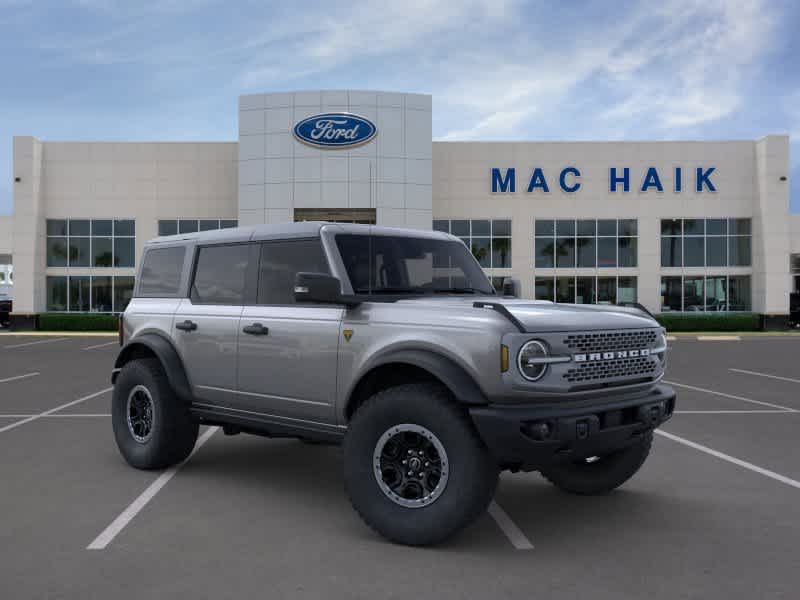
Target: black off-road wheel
[600,474]
[414,467]
[152,426]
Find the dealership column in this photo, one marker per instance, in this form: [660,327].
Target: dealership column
[28,230]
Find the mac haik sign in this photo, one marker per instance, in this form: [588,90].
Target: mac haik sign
[620,179]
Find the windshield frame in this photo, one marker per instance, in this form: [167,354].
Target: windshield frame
[329,233]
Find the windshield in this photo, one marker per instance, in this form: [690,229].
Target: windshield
[398,265]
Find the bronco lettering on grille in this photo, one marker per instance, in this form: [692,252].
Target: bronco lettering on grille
[594,356]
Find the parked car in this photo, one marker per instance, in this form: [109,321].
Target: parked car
[6,304]
[392,343]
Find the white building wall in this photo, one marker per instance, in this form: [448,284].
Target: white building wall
[111,180]
[391,173]
[462,189]
[772,283]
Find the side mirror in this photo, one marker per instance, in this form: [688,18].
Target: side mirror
[317,287]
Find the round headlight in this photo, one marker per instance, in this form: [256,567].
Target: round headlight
[530,368]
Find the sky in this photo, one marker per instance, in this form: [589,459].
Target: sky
[497,69]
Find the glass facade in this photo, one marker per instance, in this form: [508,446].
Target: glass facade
[706,243]
[84,293]
[710,293]
[585,243]
[586,290]
[489,240]
[95,243]
[175,226]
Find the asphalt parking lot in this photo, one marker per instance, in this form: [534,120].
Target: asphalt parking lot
[714,513]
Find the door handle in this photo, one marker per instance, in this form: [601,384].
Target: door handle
[186,326]
[256,329]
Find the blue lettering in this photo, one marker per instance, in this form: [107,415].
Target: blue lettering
[678,180]
[507,184]
[538,181]
[652,180]
[562,180]
[703,179]
[625,180]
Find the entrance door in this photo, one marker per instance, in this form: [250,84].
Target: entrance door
[365,216]
[288,351]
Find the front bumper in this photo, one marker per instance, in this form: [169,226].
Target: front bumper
[531,437]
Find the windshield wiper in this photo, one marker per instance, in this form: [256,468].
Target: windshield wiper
[462,290]
[391,290]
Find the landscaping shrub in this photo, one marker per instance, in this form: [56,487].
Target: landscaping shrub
[77,322]
[710,322]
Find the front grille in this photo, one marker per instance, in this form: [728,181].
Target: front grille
[642,366]
[611,340]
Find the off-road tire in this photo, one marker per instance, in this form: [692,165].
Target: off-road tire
[472,476]
[603,475]
[174,431]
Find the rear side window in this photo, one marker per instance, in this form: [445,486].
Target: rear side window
[161,271]
[220,274]
[281,261]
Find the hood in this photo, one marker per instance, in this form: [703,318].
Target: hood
[541,316]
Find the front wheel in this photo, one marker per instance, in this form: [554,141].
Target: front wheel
[414,467]
[600,474]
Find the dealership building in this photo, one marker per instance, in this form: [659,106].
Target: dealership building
[693,226]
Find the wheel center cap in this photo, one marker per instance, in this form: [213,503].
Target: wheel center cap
[414,464]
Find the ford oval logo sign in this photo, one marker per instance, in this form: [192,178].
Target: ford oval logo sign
[335,130]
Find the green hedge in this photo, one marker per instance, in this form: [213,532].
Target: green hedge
[710,322]
[77,322]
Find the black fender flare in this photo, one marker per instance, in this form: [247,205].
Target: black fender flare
[460,383]
[167,355]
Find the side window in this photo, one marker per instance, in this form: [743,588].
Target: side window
[220,274]
[281,261]
[161,271]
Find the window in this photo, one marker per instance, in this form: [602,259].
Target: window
[385,264]
[586,290]
[91,243]
[219,275]
[281,261]
[123,292]
[364,216]
[57,293]
[88,294]
[175,226]
[706,242]
[715,293]
[489,240]
[79,292]
[585,243]
[161,271]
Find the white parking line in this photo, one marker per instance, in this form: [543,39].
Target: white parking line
[58,415]
[724,395]
[100,345]
[731,459]
[48,413]
[50,341]
[718,338]
[109,533]
[734,412]
[508,527]
[7,379]
[765,375]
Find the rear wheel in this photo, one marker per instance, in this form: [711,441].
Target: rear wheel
[152,426]
[414,467]
[600,474]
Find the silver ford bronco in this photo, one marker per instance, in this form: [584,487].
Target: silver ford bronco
[392,343]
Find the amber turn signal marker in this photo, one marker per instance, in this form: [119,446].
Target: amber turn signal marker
[503,358]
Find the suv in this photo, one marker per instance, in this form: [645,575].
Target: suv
[392,343]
